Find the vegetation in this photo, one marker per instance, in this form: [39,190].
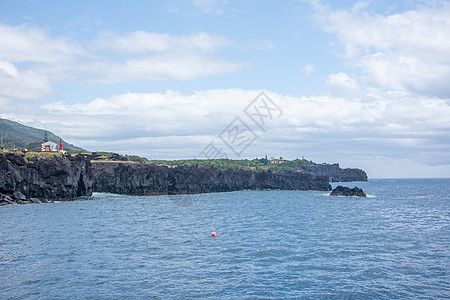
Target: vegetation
[107,155]
[35,146]
[257,164]
[16,135]
[137,159]
[30,156]
[111,156]
[40,155]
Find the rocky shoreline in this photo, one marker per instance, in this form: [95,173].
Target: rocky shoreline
[147,179]
[64,178]
[43,180]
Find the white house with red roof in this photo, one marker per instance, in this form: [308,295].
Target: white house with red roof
[276,160]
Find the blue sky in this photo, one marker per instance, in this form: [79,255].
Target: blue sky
[362,83]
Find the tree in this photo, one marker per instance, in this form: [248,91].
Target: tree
[45,137]
[264,160]
[2,137]
[35,146]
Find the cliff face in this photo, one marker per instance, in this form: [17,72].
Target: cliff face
[43,180]
[348,175]
[144,179]
[336,174]
[66,178]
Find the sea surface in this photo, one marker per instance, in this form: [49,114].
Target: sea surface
[395,244]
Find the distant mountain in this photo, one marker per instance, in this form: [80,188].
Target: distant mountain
[16,135]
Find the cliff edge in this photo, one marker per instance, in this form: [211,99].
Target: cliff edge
[335,173]
[150,179]
[47,179]
[44,178]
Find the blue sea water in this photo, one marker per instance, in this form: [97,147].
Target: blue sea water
[270,245]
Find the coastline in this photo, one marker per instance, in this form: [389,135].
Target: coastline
[25,179]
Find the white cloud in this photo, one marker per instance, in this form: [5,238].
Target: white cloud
[175,125]
[408,51]
[341,83]
[135,115]
[407,73]
[158,67]
[308,69]
[208,111]
[23,43]
[156,56]
[31,48]
[22,85]
[209,6]
[144,56]
[144,41]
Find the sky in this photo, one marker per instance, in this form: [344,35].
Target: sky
[365,84]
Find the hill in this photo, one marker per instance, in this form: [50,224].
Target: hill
[16,135]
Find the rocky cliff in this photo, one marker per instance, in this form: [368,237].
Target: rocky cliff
[35,180]
[149,179]
[335,173]
[43,180]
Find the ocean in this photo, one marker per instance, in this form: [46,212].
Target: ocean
[394,244]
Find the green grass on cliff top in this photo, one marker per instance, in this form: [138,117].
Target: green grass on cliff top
[256,164]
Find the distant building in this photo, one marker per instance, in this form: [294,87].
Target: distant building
[49,147]
[276,161]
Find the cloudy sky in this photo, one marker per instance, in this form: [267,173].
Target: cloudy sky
[365,84]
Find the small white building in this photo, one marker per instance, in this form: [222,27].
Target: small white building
[49,147]
[276,161]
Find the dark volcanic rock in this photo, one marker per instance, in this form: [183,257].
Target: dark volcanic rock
[335,173]
[150,179]
[118,157]
[346,191]
[43,180]
[66,178]
[350,174]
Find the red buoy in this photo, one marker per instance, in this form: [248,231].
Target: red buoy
[214,234]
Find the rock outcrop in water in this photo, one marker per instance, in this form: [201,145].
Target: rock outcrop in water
[148,179]
[43,180]
[346,191]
